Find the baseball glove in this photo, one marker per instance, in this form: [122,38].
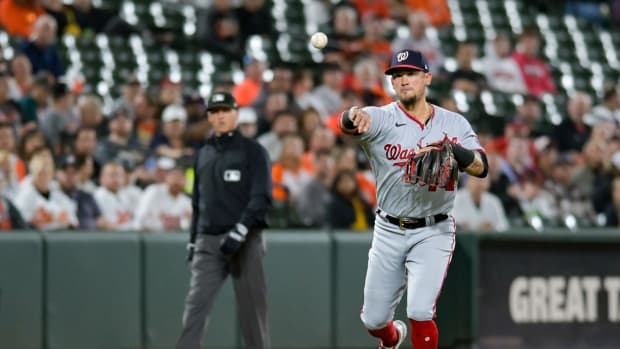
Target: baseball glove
[434,165]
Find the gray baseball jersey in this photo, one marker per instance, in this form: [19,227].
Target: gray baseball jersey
[395,135]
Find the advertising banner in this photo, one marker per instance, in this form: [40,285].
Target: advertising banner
[548,295]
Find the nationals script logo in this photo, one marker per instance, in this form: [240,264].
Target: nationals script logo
[402,56]
[399,152]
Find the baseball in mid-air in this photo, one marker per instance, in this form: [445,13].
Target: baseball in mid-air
[319,40]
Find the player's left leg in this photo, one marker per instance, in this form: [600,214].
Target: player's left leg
[427,266]
[251,292]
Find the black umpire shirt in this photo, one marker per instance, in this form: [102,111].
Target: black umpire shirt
[232,184]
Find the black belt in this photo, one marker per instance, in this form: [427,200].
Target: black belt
[412,223]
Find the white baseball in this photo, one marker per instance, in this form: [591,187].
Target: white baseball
[319,40]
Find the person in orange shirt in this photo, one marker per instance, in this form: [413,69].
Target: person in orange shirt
[247,91]
[18,16]
[380,8]
[374,40]
[289,174]
[346,159]
[322,139]
[437,10]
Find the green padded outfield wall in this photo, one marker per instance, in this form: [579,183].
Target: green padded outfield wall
[166,281]
[21,290]
[298,270]
[93,291]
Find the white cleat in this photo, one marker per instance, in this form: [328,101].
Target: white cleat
[401,328]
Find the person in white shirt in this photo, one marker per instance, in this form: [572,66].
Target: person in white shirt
[501,70]
[42,204]
[164,206]
[475,208]
[417,39]
[116,206]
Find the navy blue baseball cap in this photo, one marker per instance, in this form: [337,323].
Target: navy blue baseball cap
[408,59]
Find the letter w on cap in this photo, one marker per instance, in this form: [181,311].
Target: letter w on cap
[402,56]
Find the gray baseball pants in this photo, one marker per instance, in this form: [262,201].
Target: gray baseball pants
[210,268]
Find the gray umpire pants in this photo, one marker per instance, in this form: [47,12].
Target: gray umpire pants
[210,268]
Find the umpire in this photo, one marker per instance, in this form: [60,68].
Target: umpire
[231,197]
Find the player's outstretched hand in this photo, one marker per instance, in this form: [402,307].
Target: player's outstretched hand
[361,119]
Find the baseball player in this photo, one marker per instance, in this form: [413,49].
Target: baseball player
[416,150]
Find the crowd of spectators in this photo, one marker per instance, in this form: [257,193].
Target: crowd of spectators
[67,164]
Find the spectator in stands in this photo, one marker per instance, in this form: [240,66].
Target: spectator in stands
[40,48]
[120,142]
[344,30]
[85,146]
[288,173]
[476,209]
[170,91]
[367,81]
[10,217]
[35,102]
[164,206]
[350,98]
[87,173]
[500,68]
[346,209]
[534,201]
[309,121]
[247,91]
[570,198]
[87,211]
[418,22]
[608,110]
[40,203]
[315,195]
[465,78]
[56,9]
[275,102]
[284,123]
[30,141]
[12,168]
[60,122]
[534,70]
[18,17]
[302,86]
[321,139]
[223,36]
[573,133]
[612,212]
[171,142]
[380,8]
[22,78]
[84,19]
[146,110]
[347,159]
[592,176]
[116,206]
[327,95]
[197,124]
[437,11]
[247,122]
[9,108]
[90,114]
[374,40]
[130,90]
[530,114]
[254,19]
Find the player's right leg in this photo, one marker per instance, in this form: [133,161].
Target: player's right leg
[385,281]
[209,271]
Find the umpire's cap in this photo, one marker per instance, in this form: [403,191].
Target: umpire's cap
[221,100]
[408,59]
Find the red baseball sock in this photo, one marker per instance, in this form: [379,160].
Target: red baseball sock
[388,335]
[424,334]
